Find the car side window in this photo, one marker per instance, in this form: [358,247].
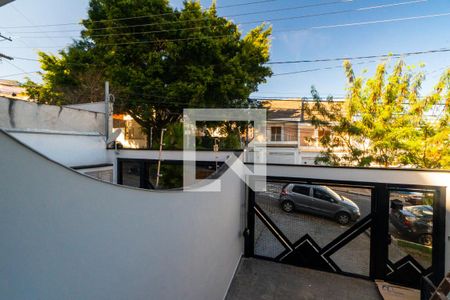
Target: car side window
[303,190]
[319,194]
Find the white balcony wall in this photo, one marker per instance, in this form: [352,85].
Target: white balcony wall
[67,236]
[20,114]
[68,148]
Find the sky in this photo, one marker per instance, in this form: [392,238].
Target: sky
[294,38]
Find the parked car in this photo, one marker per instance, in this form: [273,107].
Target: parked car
[414,197]
[320,200]
[414,223]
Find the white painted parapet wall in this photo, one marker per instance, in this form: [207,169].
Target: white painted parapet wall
[19,114]
[67,236]
[68,148]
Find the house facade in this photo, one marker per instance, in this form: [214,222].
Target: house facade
[292,139]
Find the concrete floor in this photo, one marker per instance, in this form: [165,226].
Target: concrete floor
[259,279]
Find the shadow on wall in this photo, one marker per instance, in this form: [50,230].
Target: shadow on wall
[68,235]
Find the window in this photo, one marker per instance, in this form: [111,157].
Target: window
[298,189]
[307,136]
[319,194]
[275,134]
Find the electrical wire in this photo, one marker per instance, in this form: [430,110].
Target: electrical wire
[440,50]
[361,9]
[302,29]
[404,54]
[319,69]
[17,74]
[138,17]
[184,21]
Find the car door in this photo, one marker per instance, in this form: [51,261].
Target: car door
[301,196]
[323,202]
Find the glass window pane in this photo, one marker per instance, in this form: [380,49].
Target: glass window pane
[301,190]
[411,225]
[131,171]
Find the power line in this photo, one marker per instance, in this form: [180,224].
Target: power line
[29,21]
[5,38]
[145,16]
[17,74]
[246,23]
[245,4]
[273,75]
[5,57]
[432,51]
[302,29]
[361,9]
[319,69]
[17,67]
[184,21]
[441,50]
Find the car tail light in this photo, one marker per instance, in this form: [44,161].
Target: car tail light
[408,221]
[283,192]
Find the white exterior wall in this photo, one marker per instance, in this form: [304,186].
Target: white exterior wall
[68,236]
[18,114]
[172,155]
[93,107]
[68,148]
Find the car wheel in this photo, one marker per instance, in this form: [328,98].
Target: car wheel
[343,218]
[426,239]
[287,206]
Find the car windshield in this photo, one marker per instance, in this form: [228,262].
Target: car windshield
[424,211]
[332,193]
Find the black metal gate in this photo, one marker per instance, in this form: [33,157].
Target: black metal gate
[395,233]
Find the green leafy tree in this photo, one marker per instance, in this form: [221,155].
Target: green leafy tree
[385,121]
[159,60]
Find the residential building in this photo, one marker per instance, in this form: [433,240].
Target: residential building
[12,89]
[292,138]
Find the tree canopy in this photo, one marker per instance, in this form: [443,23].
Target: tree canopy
[385,121]
[158,60]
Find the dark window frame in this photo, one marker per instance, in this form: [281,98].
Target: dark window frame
[302,187]
[278,136]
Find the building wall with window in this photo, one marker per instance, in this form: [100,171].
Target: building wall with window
[132,136]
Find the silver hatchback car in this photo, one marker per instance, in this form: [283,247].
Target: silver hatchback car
[320,200]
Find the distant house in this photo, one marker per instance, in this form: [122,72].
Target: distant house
[292,139]
[11,89]
[132,136]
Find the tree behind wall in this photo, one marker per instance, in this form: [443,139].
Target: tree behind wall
[384,121]
[158,60]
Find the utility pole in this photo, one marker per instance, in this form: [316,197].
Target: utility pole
[151,138]
[302,116]
[107,97]
[4,2]
[4,55]
[160,157]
